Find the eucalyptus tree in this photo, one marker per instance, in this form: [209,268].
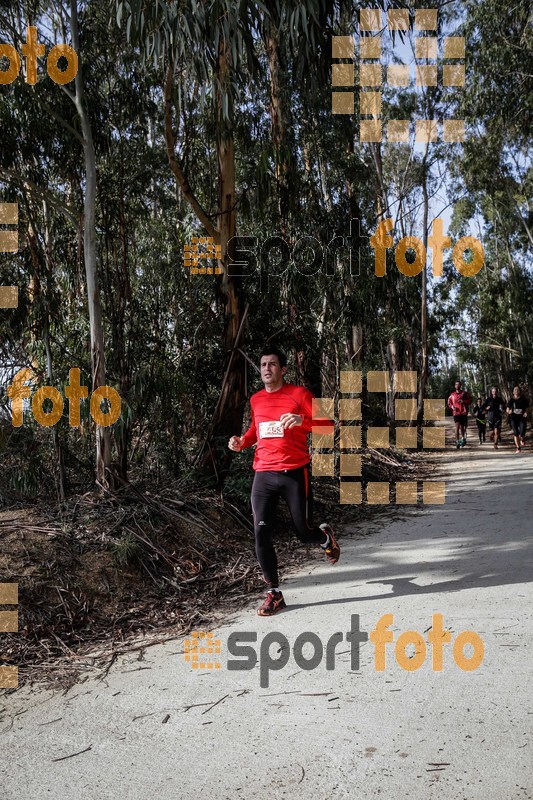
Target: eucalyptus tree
[219,46]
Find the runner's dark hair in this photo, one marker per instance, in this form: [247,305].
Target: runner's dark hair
[274,351]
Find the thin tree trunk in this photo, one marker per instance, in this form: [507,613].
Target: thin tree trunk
[279,113]
[423,310]
[103,434]
[49,367]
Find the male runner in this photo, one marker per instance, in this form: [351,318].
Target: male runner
[517,410]
[481,422]
[282,418]
[458,401]
[494,406]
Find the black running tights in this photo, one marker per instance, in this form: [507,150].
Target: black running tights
[294,487]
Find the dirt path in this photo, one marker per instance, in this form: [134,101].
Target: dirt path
[157,726]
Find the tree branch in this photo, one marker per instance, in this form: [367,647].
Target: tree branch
[174,165]
[40,191]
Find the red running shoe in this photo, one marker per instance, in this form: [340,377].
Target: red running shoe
[274,602]
[333,550]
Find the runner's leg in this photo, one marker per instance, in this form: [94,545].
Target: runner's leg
[265,496]
[516,433]
[296,489]
[522,427]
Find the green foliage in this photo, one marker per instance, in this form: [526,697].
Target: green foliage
[126,550]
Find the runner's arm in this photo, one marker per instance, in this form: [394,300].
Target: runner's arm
[238,443]
[250,437]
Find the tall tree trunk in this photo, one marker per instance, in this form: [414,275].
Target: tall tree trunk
[424,306]
[103,434]
[62,482]
[228,415]
[41,309]
[279,114]
[394,366]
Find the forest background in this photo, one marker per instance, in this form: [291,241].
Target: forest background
[214,119]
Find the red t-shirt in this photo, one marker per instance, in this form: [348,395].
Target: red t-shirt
[278,448]
[459,402]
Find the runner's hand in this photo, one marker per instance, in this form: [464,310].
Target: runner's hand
[290,420]
[236,443]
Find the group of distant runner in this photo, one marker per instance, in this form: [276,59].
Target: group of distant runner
[489,413]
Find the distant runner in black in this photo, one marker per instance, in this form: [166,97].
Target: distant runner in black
[481,421]
[494,406]
[517,410]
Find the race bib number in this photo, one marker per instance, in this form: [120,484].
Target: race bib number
[271,430]
[518,411]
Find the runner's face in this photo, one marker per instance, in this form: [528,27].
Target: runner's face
[458,386]
[271,371]
[516,392]
[493,392]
